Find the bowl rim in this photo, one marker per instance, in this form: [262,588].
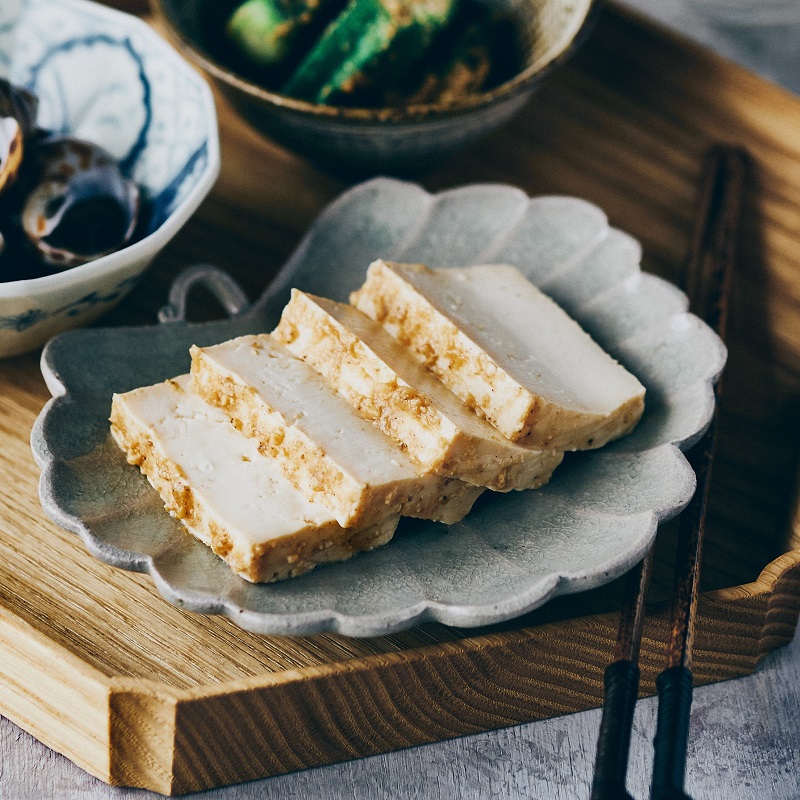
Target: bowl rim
[570,40]
[156,240]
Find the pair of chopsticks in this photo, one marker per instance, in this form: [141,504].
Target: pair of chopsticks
[708,277]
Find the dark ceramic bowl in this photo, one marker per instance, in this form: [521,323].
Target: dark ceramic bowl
[394,140]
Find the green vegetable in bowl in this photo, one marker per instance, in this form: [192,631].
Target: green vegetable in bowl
[378,53]
[265,31]
[460,66]
[369,40]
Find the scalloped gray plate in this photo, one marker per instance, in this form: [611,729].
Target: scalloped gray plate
[595,519]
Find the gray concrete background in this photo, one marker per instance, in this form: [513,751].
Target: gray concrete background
[745,741]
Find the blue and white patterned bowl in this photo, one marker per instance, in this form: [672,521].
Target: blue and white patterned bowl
[109,78]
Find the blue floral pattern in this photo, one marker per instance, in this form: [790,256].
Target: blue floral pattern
[106,77]
[27,319]
[131,98]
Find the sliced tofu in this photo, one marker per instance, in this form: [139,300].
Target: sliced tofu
[225,492]
[323,446]
[507,350]
[387,386]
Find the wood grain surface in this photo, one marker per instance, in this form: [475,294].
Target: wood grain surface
[98,666]
[744,746]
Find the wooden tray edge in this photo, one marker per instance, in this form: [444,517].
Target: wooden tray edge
[385,702]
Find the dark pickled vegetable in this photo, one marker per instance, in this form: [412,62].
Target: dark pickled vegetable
[63,201]
[10,152]
[368,39]
[82,214]
[19,104]
[381,53]
[266,31]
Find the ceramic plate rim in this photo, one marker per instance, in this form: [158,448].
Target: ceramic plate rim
[458,615]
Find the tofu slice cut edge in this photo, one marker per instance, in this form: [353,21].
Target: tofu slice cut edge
[509,351]
[388,386]
[224,491]
[322,445]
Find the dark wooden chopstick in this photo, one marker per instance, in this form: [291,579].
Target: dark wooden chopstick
[709,269]
[621,683]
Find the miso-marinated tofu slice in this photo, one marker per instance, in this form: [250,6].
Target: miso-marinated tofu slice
[225,492]
[507,350]
[321,444]
[371,41]
[387,386]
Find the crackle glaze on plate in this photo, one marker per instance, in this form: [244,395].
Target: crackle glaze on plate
[594,520]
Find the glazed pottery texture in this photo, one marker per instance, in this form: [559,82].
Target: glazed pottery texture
[513,552]
[371,141]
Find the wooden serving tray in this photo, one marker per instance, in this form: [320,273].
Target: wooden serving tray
[95,664]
